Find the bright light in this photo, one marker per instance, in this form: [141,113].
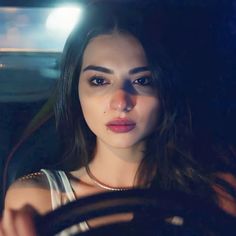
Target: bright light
[63,19]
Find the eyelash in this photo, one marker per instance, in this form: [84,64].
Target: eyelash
[98,81]
[143,81]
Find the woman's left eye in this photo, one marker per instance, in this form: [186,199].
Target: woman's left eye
[143,81]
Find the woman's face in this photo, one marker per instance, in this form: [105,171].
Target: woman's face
[116,92]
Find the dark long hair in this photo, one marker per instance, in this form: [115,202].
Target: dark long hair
[168,151]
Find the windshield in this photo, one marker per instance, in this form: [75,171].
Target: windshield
[31,42]
[36,28]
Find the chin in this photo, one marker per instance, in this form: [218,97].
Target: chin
[125,144]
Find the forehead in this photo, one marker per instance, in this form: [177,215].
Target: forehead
[114,46]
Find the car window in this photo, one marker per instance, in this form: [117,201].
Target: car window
[32,28]
[31,43]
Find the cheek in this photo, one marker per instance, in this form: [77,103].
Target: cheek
[85,103]
[92,112]
[88,115]
[88,109]
[151,113]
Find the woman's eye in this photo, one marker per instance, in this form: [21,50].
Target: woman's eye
[143,81]
[98,81]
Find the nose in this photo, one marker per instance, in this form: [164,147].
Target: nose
[122,101]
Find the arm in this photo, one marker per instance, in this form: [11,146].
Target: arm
[20,195]
[25,198]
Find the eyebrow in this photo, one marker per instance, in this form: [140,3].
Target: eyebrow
[109,71]
[98,68]
[138,70]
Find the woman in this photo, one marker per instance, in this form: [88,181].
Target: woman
[122,119]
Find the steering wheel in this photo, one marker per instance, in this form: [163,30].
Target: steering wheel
[155,213]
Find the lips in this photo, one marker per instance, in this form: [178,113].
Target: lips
[121,125]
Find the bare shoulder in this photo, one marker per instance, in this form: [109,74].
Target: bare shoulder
[32,189]
[226,199]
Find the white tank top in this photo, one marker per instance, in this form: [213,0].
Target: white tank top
[58,183]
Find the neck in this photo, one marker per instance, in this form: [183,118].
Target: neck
[116,167]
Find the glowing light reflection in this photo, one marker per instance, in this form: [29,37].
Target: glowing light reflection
[63,19]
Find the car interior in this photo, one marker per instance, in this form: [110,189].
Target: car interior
[28,78]
[30,68]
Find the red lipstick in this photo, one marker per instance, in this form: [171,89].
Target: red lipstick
[121,125]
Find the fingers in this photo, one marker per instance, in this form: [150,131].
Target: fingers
[1,229]
[24,222]
[18,222]
[8,223]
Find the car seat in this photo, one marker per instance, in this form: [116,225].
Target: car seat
[37,148]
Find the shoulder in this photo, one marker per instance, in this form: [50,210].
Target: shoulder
[226,192]
[32,189]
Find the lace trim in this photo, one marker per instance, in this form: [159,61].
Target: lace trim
[31,176]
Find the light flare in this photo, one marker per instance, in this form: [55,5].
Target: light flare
[63,19]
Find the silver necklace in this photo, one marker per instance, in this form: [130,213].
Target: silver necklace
[102,185]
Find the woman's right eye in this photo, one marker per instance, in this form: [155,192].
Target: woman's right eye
[98,81]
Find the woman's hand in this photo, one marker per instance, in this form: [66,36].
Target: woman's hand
[18,222]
